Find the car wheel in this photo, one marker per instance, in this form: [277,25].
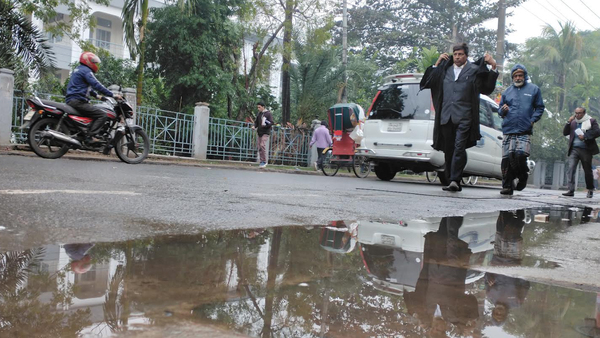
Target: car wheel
[384,172]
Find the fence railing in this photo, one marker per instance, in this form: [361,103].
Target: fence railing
[231,140]
[170,133]
[236,141]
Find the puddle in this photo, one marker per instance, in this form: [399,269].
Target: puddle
[413,278]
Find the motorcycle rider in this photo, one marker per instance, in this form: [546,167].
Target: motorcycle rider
[83,84]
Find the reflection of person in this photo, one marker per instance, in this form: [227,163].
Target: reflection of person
[322,139]
[263,124]
[81,85]
[78,253]
[521,106]
[507,292]
[439,298]
[582,131]
[455,85]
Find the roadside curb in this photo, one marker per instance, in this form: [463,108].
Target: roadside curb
[24,150]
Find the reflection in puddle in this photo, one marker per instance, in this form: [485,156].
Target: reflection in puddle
[347,279]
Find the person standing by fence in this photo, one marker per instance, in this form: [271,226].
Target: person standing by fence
[323,140]
[263,124]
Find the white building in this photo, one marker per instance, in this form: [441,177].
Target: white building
[107,34]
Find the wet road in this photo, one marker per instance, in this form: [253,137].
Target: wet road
[172,249]
[60,201]
[360,279]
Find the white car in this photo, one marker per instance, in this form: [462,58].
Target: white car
[398,133]
[393,253]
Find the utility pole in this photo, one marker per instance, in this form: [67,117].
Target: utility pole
[345,50]
[500,42]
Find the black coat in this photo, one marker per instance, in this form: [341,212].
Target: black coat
[485,83]
[589,137]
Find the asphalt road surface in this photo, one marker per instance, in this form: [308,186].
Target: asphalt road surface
[67,200]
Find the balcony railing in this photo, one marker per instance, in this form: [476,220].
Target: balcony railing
[113,48]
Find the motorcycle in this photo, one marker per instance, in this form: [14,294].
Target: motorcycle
[55,127]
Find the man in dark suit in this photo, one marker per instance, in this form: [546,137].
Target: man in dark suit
[455,85]
[582,131]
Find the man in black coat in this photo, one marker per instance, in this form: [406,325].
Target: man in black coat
[455,85]
[582,131]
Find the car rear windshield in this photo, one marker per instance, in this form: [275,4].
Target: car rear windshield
[402,101]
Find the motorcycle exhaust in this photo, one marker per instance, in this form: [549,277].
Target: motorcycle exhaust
[61,137]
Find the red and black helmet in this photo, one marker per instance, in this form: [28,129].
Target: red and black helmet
[91,60]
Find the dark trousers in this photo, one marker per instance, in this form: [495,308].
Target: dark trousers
[585,156]
[320,158]
[513,166]
[455,148]
[88,110]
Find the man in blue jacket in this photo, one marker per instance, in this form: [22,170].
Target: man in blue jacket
[521,106]
[81,86]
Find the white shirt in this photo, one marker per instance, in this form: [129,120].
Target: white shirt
[457,70]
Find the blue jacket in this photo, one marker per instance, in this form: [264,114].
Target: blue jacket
[525,106]
[82,85]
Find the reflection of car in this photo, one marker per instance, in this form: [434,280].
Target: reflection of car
[399,132]
[393,253]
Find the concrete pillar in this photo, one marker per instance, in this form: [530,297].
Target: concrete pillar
[201,119]
[7,86]
[539,174]
[558,174]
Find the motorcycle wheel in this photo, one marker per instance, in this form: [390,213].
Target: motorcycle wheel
[43,146]
[361,166]
[328,168]
[133,147]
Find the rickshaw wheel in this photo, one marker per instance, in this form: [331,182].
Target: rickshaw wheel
[432,176]
[361,166]
[328,168]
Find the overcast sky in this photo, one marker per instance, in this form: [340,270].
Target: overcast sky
[531,16]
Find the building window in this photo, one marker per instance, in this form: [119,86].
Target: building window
[104,23]
[102,39]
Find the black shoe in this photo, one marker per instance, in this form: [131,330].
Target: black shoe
[453,187]
[590,194]
[569,193]
[506,191]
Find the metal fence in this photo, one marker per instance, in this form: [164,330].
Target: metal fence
[236,141]
[170,133]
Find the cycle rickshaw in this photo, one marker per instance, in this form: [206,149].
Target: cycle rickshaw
[343,119]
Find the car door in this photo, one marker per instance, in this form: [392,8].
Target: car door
[484,158]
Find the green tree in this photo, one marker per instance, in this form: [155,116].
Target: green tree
[21,43]
[192,53]
[388,30]
[559,55]
[135,19]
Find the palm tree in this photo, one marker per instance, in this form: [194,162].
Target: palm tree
[132,9]
[21,42]
[560,52]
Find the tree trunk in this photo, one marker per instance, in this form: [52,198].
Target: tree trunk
[287,57]
[140,79]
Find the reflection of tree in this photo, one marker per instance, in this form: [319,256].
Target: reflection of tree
[22,314]
[550,312]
